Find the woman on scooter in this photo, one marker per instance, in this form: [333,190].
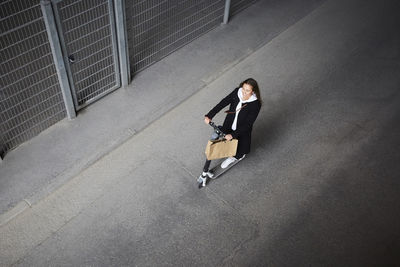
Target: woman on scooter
[245,103]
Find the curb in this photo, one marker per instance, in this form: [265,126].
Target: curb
[14,212]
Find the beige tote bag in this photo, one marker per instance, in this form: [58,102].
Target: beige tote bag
[217,149]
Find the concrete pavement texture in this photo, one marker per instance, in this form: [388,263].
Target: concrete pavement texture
[64,150]
[320,187]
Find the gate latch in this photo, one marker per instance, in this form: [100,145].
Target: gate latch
[71,59]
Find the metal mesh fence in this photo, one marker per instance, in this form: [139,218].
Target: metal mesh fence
[30,96]
[239,5]
[156,28]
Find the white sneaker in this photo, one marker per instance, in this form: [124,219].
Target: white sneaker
[202,180]
[209,174]
[228,162]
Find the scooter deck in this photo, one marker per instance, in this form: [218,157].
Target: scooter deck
[218,171]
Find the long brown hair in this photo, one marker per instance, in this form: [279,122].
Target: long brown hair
[253,83]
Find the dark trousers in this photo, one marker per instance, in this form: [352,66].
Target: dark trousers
[206,166]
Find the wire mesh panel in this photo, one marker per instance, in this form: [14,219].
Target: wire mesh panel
[158,27]
[88,39]
[30,96]
[239,5]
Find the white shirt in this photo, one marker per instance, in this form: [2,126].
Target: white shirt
[252,98]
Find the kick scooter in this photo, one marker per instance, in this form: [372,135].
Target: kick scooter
[216,171]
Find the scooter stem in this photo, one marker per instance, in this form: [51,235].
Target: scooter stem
[217,130]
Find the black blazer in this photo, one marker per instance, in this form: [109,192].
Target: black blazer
[246,118]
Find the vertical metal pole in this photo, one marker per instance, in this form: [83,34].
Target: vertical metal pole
[226,12]
[2,142]
[52,33]
[122,40]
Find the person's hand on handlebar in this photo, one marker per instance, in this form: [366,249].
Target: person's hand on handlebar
[207,120]
[228,137]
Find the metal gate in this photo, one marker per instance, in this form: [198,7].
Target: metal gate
[87,34]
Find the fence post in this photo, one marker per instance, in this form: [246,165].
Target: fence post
[122,40]
[52,33]
[226,12]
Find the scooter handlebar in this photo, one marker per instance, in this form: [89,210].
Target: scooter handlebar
[218,130]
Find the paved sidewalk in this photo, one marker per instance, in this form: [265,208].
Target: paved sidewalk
[320,187]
